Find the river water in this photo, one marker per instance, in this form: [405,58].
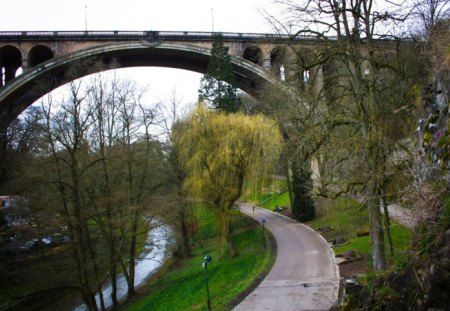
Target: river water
[147,264]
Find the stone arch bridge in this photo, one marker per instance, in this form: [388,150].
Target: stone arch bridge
[46,59]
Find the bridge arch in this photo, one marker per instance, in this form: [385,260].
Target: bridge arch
[278,60]
[39,54]
[10,61]
[254,54]
[37,81]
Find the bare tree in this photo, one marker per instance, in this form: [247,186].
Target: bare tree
[362,88]
[174,113]
[429,13]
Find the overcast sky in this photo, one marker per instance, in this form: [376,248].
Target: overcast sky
[183,15]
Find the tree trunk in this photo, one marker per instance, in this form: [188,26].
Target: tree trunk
[228,247]
[113,264]
[3,157]
[132,260]
[387,225]
[376,235]
[95,267]
[185,250]
[91,302]
[106,191]
[289,185]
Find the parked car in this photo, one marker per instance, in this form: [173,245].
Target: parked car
[31,245]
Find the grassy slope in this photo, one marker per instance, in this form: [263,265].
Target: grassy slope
[274,195]
[347,217]
[183,287]
[279,200]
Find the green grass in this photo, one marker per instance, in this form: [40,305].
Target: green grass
[401,240]
[266,192]
[344,215]
[183,287]
[278,200]
[270,196]
[347,216]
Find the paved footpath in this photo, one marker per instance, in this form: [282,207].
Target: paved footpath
[304,276]
[407,217]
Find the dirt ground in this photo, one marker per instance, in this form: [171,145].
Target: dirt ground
[352,269]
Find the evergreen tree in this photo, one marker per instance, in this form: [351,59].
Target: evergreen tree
[303,207]
[216,86]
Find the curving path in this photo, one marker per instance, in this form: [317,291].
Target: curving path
[304,276]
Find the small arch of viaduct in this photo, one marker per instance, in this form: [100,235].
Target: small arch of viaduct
[47,61]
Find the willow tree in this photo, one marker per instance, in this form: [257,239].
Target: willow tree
[222,154]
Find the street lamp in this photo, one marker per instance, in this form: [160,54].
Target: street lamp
[264,236]
[207,260]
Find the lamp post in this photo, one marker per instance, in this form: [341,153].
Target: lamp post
[264,236]
[85,17]
[207,260]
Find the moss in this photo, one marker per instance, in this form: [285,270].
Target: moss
[425,240]
[445,216]
[385,295]
[417,91]
[427,137]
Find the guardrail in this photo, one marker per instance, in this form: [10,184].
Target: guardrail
[112,35]
[168,35]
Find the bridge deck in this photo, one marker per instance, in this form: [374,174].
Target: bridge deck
[139,35]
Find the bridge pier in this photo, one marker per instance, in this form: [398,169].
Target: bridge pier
[25,64]
[8,73]
[266,64]
[10,61]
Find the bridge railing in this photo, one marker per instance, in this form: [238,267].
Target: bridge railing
[111,35]
[121,35]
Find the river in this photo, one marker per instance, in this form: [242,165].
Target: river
[153,256]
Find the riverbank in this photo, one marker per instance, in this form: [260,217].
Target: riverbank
[44,278]
[182,285]
[150,261]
